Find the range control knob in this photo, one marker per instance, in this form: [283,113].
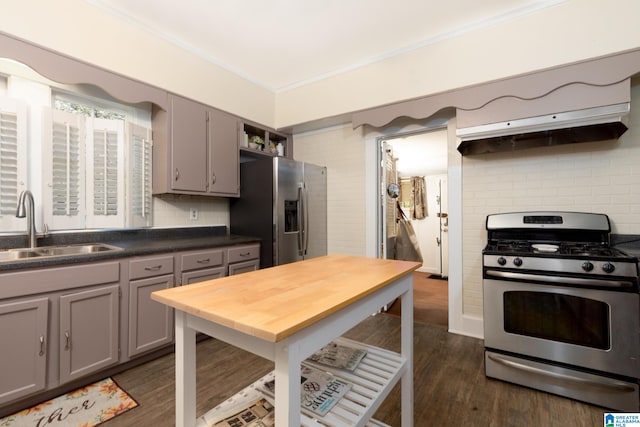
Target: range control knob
[502,260]
[607,267]
[587,266]
[517,262]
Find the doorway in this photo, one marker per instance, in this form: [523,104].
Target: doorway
[422,156]
[418,160]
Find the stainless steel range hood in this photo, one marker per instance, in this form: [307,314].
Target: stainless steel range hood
[592,124]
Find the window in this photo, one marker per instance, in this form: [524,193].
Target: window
[87,159]
[63,170]
[139,171]
[106,173]
[13,159]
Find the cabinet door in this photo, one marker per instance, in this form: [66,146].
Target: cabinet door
[188,145]
[202,275]
[88,331]
[224,169]
[23,358]
[150,322]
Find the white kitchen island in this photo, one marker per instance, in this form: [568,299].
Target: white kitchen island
[285,314]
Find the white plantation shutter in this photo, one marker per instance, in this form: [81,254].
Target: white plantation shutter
[105,173]
[64,169]
[139,176]
[13,148]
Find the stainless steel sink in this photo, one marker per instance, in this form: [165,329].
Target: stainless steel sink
[54,251]
[17,254]
[75,249]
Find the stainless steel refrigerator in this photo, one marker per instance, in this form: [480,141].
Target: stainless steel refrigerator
[284,203]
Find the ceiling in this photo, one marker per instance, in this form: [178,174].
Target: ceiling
[281,44]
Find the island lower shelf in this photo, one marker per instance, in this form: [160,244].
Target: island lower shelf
[373,379]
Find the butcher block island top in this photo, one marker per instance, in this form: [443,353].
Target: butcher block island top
[276,302]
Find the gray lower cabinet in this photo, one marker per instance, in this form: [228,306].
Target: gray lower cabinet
[57,324]
[63,323]
[202,265]
[89,322]
[150,323]
[24,338]
[243,259]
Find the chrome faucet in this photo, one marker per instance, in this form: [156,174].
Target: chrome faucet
[21,212]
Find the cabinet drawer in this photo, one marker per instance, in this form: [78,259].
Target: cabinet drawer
[243,267]
[202,275]
[35,281]
[149,267]
[243,253]
[204,259]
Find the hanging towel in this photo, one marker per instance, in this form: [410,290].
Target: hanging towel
[418,208]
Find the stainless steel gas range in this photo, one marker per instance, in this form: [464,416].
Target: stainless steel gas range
[561,307]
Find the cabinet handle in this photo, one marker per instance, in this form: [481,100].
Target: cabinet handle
[67,342]
[177,174]
[246,254]
[213,179]
[41,339]
[204,261]
[154,268]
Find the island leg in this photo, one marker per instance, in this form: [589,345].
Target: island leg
[185,372]
[406,343]
[287,390]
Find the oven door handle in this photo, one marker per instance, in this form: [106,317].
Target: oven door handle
[559,280]
[610,384]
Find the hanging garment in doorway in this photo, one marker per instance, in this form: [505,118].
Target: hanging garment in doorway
[406,245]
[418,208]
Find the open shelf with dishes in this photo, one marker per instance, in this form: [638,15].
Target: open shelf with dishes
[259,141]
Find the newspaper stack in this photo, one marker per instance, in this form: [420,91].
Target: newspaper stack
[252,413]
[320,391]
[339,356]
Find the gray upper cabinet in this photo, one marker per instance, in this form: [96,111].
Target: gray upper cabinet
[224,170]
[195,150]
[188,145]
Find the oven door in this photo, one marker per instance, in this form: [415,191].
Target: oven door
[588,328]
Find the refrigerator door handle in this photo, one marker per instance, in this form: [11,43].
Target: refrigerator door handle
[305,217]
[300,221]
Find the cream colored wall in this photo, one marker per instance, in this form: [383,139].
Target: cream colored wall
[341,150]
[82,31]
[568,32]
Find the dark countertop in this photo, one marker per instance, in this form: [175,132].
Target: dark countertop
[135,242]
[628,243]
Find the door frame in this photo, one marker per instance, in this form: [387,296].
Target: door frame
[458,322]
[381,143]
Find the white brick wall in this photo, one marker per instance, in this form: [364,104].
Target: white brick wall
[602,177]
[341,150]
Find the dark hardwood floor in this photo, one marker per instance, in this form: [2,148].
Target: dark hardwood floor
[450,386]
[430,300]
